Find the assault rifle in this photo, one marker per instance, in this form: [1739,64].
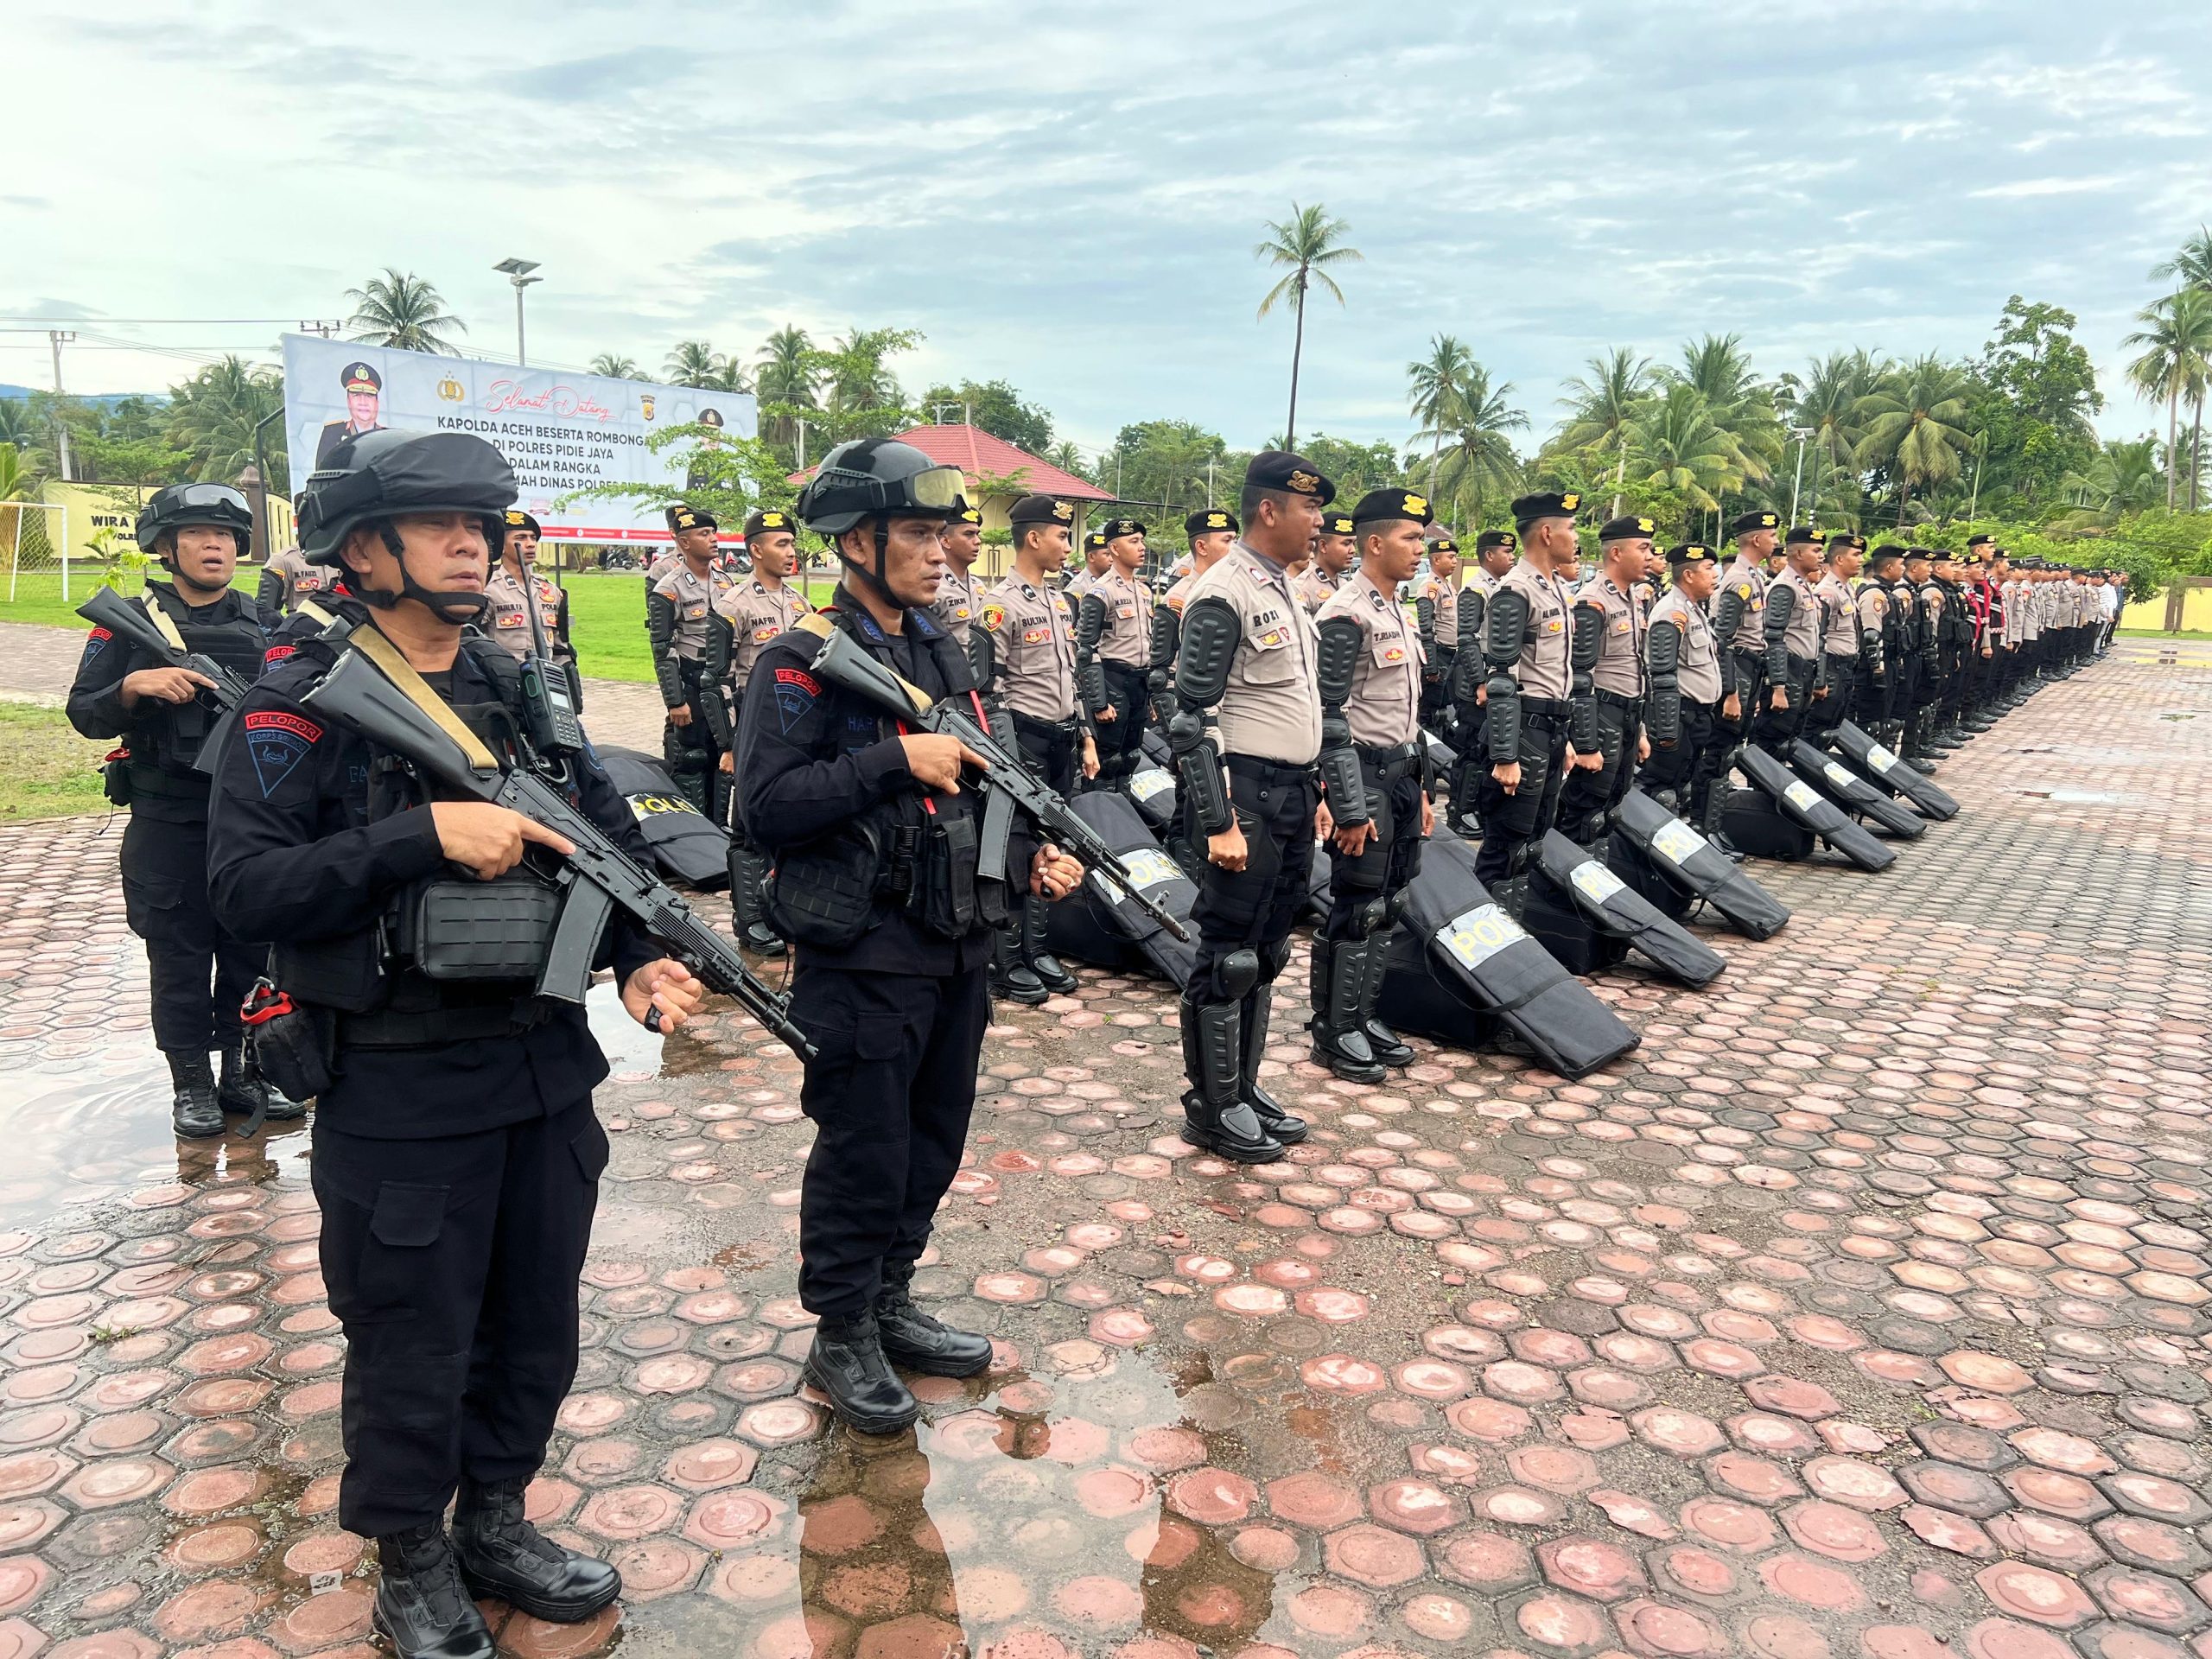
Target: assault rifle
[598,877]
[108,609]
[1008,786]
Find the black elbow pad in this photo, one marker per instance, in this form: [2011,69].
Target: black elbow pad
[721,645]
[1587,642]
[1211,633]
[1336,659]
[1471,612]
[1197,772]
[1505,630]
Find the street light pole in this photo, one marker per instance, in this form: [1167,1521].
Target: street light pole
[517,272]
[58,338]
[1800,433]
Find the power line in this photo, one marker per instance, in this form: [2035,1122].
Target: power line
[157,322]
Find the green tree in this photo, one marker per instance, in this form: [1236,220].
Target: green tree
[1914,425]
[2192,263]
[1602,409]
[1826,405]
[696,363]
[1738,403]
[2122,478]
[401,311]
[1354,467]
[2036,392]
[998,409]
[1478,459]
[1165,461]
[726,475]
[1065,455]
[784,381]
[16,426]
[2175,365]
[1678,444]
[1305,245]
[212,415]
[614,367]
[1432,382]
[859,397]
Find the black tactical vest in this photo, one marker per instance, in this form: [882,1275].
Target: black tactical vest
[165,738]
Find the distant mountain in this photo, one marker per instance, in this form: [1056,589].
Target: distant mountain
[106,397]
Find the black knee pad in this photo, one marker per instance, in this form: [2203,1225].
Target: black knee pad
[1236,973]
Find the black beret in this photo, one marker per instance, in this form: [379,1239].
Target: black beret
[1095,542]
[1983,539]
[1040,510]
[1293,474]
[762,518]
[1336,523]
[1972,556]
[1627,529]
[964,514]
[1443,544]
[1805,536]
[1207,521]
[682,518]
[1378,505]
[1547,504]
[517,519]
[1114,528]
[1747,524]
[1490,539]
[1918,553]
[1692,553]
[1845,541]
[361,377]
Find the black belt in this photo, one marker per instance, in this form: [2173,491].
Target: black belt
[1112,666]
[1267,772]
[150,779]
[423,1028]
[1390,764]
[1546,708]
[1619,700]
[1062,728]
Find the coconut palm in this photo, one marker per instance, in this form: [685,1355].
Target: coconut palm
[1065,456]
[1825,404]
[696,363]
[1431,384]
[1470,427]
[2122,478]
[401,311]
[213,417]
[1602,406]
[1913,424]
[1307,244]
[784,375]
[2193,264]
[1678,443]
[615,368]
[2176,364]
[1740,404]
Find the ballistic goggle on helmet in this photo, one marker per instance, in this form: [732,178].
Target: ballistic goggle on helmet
[869,478]
[379,476]
[183,505]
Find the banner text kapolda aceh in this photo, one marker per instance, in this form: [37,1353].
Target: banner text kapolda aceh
[560,432]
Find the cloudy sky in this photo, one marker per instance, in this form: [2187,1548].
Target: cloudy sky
[1068,197]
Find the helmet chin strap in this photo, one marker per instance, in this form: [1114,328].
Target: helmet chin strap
[873,578]
[456,608]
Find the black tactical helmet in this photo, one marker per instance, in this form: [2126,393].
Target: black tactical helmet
[870,476]
[379,476]
[181,505]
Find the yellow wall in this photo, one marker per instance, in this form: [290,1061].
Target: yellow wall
[2195,613]
[103,518]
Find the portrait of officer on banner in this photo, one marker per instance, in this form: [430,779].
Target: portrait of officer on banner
[364,397]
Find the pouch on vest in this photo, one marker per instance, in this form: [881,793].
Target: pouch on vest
[468,930]
[823,893]
[943,899]
[293,1045]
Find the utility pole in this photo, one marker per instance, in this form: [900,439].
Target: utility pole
[58,338]
[322,326]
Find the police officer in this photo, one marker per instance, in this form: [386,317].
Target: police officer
[1097,560]
[892,985]
[1212,533]
[1926,738]
[745,616]
[1539,724]
[1334,550]
[1435,594]
[1795,671]
[1496,552]
[456,1159]
[1683,662]
[959,604]
[1245,734]
[677,606]
[514,585]
[1843,640]
[1113,648]
[199,973]
[1955,643]
[1739,618]
[288,581]
[364,389]
[1610,625]
[1374,783]
[1032,671]
[1985,597]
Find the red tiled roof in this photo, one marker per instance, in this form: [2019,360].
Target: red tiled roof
[979,454]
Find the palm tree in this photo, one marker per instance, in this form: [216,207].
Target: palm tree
[2193,264]
[2176,364]
[1065,456]
[784,375]
[1432,383]
[1470,426]
[695,363]
[1604,405]
[2123,478]
[1912,424]
[1307,244]
[1679,444]
[212,418]
[1741,404]
[402,312]
[1826,405]
[614,367]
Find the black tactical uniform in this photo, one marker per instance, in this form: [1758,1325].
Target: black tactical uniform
[456,1157]
[164,855]
[875,882]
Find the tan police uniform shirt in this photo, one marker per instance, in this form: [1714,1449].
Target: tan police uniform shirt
[1544,670]
[959,606]
[1315,587]
[1802,637]
[1697,664]
[661,565]
[1747,580]
[1271,708]
[1127,639]
[507,621]
[1428,585]
[1839,616]
[1872,604]
[693,595]
[300,580]
[1035,630]
[756,613]
[1383,708]
[1619,668]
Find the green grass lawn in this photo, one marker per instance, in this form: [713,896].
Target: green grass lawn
[2160,633]
[47,771]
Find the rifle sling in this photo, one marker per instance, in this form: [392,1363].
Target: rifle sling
[163,622]
[823,629]
[372,643]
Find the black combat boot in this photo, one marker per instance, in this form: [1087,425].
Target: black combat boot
[748,902]
[1216,1117]
[1278,1121]
[193,1110]
[848,1364]
[1340,977]
[1381,1042]
[1035,921]
[239,1091]
[505,1558]
[1011,977]
[422,1608]
[919,1342]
